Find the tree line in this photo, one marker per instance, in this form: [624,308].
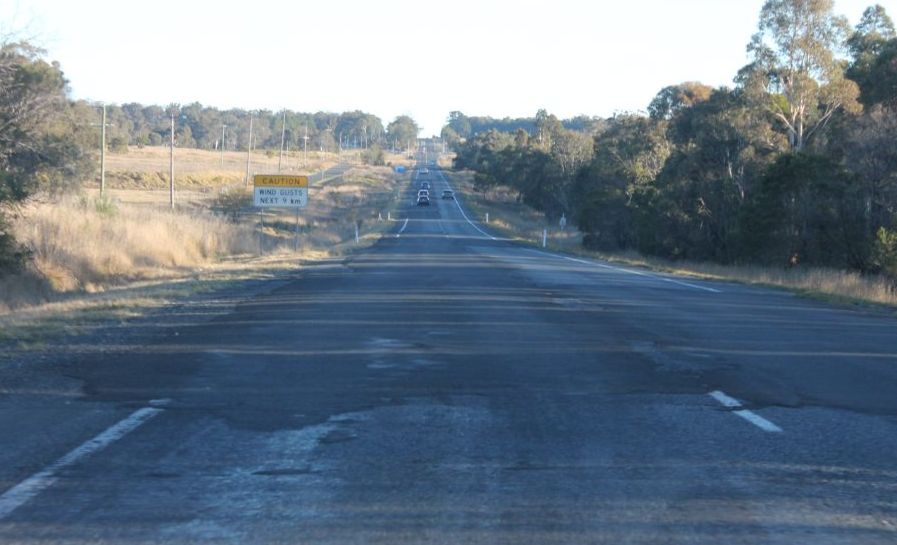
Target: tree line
[796,163]
[206,127]
[461,127]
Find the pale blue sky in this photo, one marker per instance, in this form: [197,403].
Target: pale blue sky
[392,57]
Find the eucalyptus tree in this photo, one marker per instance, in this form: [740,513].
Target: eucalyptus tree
[796,63]
[402,130]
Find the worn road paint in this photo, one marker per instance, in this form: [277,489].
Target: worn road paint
[23,492]
[402,230]
[627,271]
[750,416]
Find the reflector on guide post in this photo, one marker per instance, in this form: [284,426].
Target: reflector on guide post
[279,191]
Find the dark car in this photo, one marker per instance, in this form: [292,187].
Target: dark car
[448,194]
[425,185]
[423,200]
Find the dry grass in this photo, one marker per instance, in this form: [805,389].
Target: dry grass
[520,222]
[80,244]
[101,261]
[155,159]
[87,245]
[148,167]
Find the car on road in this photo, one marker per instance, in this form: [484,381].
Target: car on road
[425,185]
[423,200]
[424,171]
[448,194]
[423,193]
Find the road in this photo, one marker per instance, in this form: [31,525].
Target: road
[447,386]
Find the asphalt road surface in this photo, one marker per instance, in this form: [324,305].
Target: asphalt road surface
[446,386]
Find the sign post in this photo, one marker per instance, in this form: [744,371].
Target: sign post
[280,191]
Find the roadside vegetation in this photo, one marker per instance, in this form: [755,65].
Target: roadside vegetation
[63,243]
[791,171]
[510,217]
[86,243]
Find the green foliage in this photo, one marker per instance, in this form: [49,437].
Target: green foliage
[460,126]
[807,209]
[541,172]
[884,252]
[877,75]
[795,58]
[205,127]
[105,206]
[402,131]
[118,144]
[374,156]
[232,202]
[674,98]
[873,71]
[785,169]
[13,255]
[40,144]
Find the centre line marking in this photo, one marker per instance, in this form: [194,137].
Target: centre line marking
[23,492]
[402,230]
[750,416]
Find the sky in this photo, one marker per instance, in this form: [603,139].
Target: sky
[394,57]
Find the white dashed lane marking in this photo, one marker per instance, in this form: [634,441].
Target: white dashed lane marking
[750,416]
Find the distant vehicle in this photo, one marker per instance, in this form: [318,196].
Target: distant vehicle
[448,194]
[423,193]
[425,171]
[425,185]
[423,200]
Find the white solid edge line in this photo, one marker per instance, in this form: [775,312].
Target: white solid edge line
[750,416]
[472,224]
[402,230]
[20,494]
[628,271]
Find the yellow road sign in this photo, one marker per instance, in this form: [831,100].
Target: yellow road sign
[279,180]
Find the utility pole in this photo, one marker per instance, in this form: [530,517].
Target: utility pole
[305,147]
[283,133]
[103,155]
[249,150]
[171,162]
[223,128]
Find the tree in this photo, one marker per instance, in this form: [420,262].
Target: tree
[403,129]
[872,46]
[548,126]
[806,210]
[878,78]
[673,98]
[38,146]
[795,59]
[609,190]
[720,148]
[460,124]
[871,33]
